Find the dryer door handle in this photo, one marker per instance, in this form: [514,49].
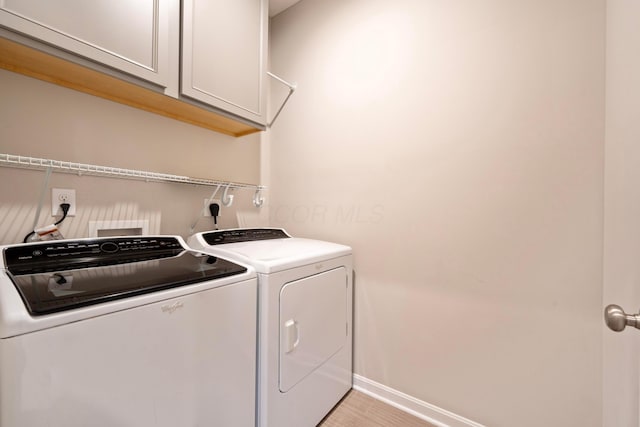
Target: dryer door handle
[291,335]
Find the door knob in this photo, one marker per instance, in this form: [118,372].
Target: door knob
[616,319]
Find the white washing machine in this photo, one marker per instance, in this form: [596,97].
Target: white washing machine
[127,331]
[305,300]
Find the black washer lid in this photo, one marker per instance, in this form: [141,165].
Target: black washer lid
[85,279]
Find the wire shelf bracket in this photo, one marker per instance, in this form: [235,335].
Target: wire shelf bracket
[292,87]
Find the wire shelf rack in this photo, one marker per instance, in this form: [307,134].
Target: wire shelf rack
[25,162]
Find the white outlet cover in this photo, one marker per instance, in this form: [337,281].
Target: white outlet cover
[63,195]
[206,210]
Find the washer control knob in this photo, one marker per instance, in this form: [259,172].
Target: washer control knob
[109,247]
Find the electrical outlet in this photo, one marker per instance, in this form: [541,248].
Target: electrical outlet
[63,195]
[206,210]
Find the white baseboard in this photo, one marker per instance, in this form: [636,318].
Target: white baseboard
[404,402]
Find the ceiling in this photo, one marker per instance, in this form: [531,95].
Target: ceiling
[277,6]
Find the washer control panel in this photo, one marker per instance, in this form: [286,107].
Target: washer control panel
[24,258]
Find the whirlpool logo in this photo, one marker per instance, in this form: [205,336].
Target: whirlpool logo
[171,308]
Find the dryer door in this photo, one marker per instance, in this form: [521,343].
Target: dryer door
[313,324]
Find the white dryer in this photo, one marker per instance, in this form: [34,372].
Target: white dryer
[305,300]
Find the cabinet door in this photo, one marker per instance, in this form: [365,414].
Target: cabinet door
[131,36]
[223,55]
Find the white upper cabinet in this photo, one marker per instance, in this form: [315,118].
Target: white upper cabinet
[130,36]
[224,48]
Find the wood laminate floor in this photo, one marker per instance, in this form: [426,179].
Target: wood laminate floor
[359,410]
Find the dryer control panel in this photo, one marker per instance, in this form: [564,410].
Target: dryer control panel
[244,235]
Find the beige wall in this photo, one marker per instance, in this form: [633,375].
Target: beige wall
[458,147]
[622,209]
[43,120]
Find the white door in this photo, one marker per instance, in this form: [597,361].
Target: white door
[621,354]
[313,324]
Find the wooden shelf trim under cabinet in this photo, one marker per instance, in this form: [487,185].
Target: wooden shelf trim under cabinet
[34,63]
